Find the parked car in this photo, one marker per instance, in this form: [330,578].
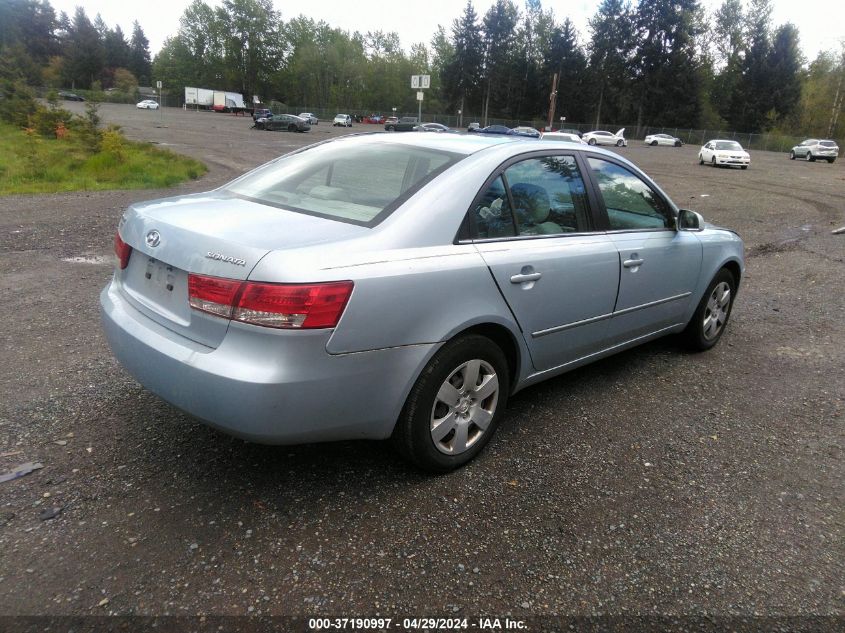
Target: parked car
[601,137]
[147,104]
[289,122]
[562,136]
[496,129]
[569,130]
[813,149]
[312,119]
[434,127]
[374,118]
[474,126]
[405,124]
[663,139]
[724,152]
[524,130]
[261,113]
[302,302]
[342,120]
[392,119]
[70,96]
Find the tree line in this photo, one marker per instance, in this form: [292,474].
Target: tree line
[650,62]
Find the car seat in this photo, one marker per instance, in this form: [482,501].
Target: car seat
[533,209]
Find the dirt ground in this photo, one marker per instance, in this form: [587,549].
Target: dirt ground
[654,482]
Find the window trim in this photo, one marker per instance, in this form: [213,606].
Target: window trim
[602,207]
[592,201]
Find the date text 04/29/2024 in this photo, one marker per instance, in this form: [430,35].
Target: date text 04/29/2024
[416,624]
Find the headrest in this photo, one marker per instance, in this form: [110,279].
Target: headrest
[531,202]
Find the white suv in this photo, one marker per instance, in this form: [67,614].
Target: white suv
[342,120]
[812,148]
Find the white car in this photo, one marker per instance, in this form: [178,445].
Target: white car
[562,136]
[311,118]
[342,120]
[147,104]
[724,152]
[813,149]
[663,139]
[600,137]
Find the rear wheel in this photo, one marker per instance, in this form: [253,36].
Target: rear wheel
[619,143]
[711,316]
[455,405]
[678,143]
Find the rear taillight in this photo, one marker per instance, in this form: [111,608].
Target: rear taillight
[289,306]
[122,250]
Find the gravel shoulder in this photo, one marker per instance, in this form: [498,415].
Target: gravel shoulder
[654,482]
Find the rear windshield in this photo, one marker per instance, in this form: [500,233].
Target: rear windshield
[827,143]
[729,145]
[360,184]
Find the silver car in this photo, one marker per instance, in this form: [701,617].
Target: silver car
[309,301]
[814,149]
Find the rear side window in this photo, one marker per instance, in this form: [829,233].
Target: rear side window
[537,196]
[631,204]
[360,184]
[827,143]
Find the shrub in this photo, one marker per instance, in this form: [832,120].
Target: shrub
[112,143]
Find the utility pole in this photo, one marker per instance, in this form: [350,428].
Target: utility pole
[552,102]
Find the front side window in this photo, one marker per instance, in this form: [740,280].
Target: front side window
[353,183]
[631,204]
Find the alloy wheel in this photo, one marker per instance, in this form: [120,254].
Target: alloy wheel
[464,407]
[716,312]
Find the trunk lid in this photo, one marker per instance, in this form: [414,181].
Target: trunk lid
[216,234]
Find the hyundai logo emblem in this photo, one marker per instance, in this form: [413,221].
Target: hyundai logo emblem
[153,238]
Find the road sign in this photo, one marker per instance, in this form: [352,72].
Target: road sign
[420,95]
[420,81]
[158,85]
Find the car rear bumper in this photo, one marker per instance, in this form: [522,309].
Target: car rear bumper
[268,386]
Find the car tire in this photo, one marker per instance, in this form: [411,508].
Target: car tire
[390,128]
[809,157]
[710,318]
[700,160]
[292,127]
[592,141]
[424,443]
[653,143]
[830,160]
[619,143]
[743,166]
[713,162]
[791,155]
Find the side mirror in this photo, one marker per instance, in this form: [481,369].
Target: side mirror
[690,221]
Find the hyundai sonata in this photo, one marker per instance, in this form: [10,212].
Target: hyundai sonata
[302,302]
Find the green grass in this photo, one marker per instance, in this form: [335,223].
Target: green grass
[33,164]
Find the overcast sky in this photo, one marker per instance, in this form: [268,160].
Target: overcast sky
[820,22]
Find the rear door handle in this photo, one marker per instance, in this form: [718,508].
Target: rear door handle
[522,278]
[632,263]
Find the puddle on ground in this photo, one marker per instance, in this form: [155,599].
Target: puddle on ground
[97,260]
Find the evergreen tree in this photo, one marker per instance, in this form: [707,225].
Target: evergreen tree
[499,60]
[785,65]
[116,48]
[139,55]
[462,71]
[84,54]
[751,98]
[566,58]
[611,62]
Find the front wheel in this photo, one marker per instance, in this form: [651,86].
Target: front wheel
[711,316]
[809,157]
[455,405]
[713,162]
[653,143]
[791,155]
[830,160]
[700,160]
[292,128]
[592,141]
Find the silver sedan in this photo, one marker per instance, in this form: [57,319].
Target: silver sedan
[308,301]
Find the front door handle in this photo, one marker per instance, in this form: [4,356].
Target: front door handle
[522,278]
[632,263]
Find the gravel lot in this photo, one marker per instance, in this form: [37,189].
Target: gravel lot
[654,482]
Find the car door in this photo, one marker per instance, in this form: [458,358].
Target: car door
[660,266]
[533,224]
[707,152]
